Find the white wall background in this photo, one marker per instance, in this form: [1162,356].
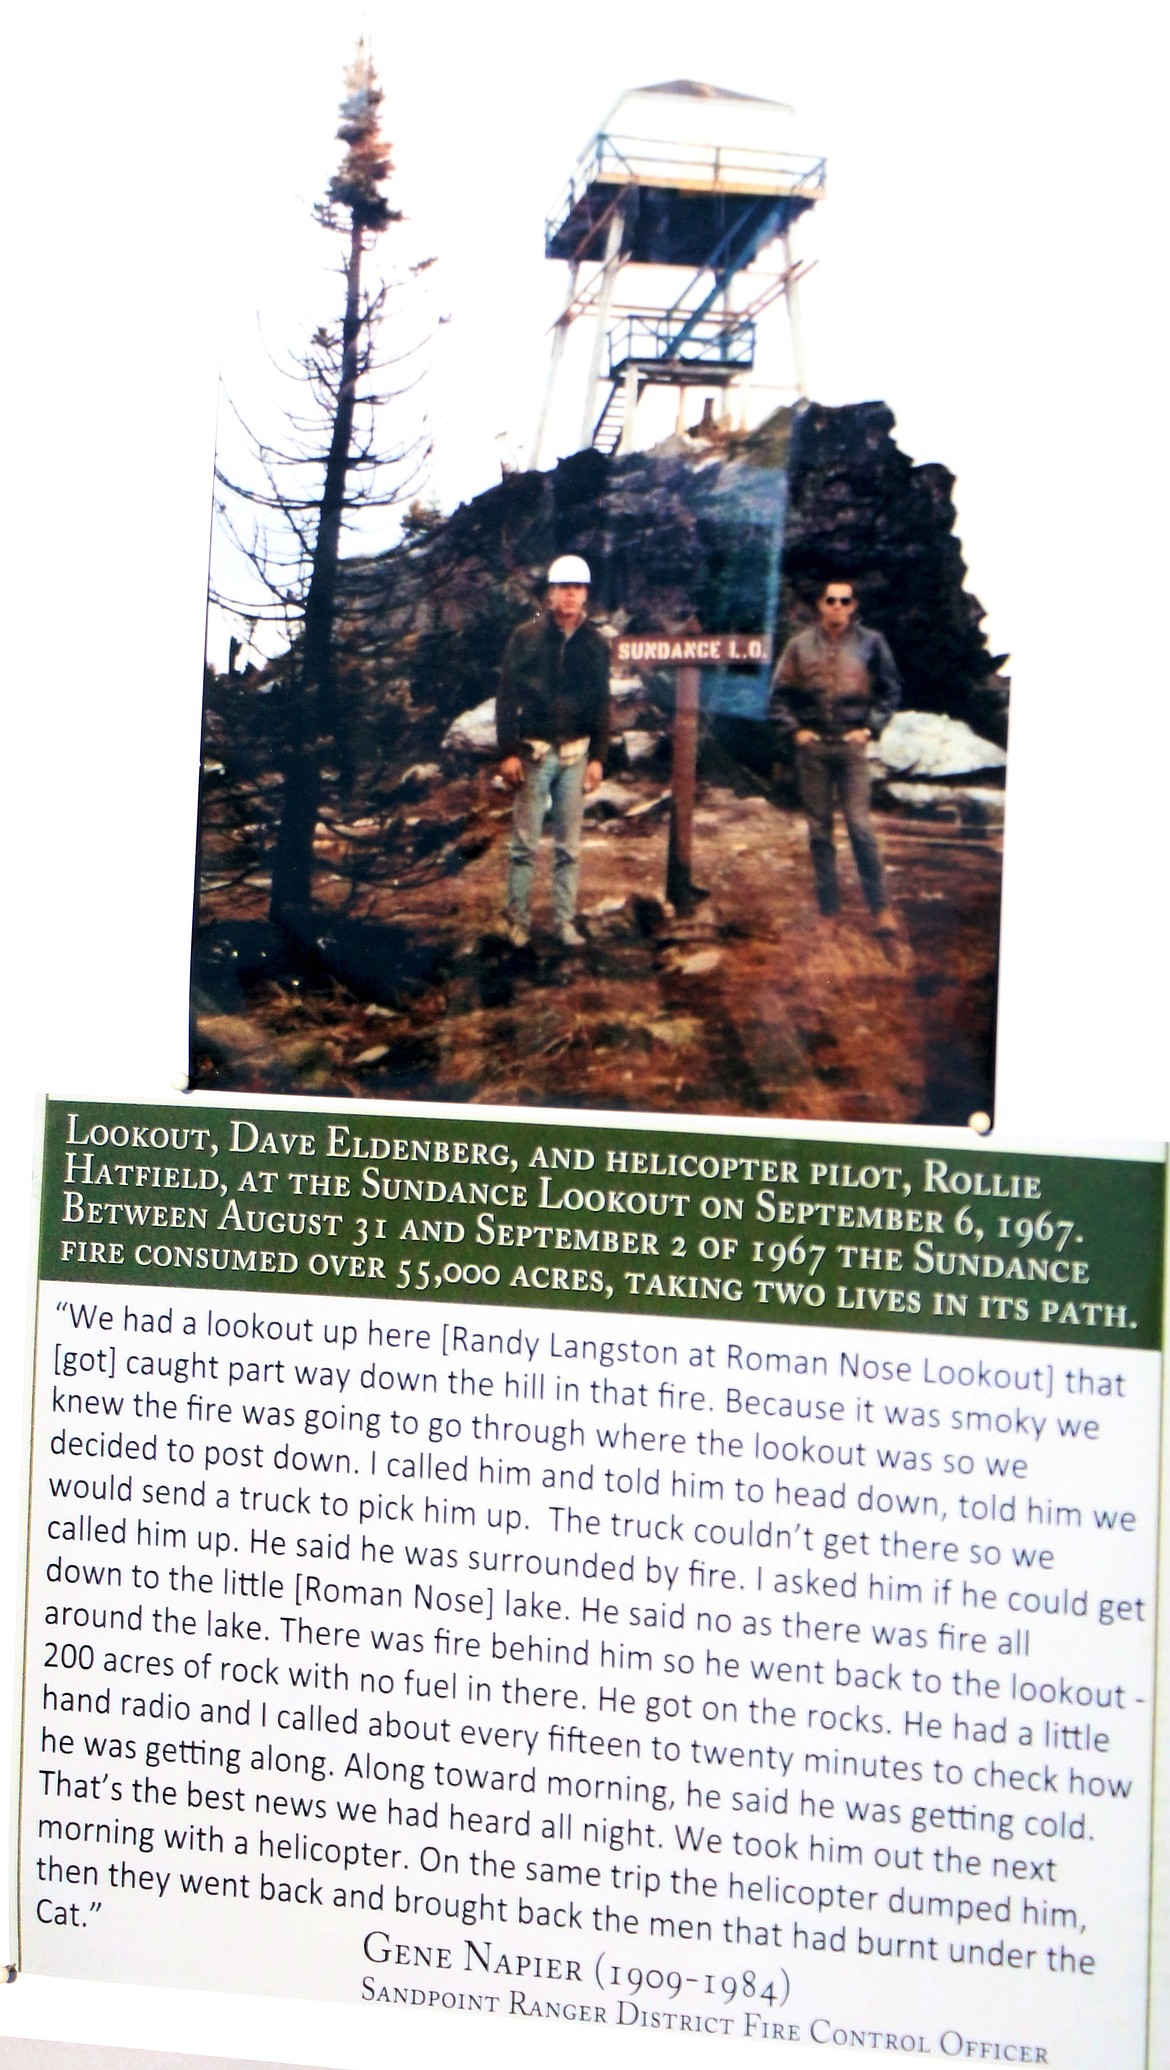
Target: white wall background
[990,264]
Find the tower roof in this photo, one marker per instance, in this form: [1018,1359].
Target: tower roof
[699,90]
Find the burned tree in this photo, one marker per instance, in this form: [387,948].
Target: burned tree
[332,466]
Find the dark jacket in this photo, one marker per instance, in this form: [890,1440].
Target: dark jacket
[834,686]
[553,688]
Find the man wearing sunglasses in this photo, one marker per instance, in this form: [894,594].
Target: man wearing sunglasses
[835,687]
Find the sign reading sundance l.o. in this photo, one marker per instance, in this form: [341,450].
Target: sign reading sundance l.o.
[688,652]
[698,650]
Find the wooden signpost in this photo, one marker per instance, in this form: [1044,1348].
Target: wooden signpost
[687,652]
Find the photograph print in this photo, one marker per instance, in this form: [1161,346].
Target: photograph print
[659,769]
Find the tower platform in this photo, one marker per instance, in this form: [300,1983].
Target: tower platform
[713,352]
[683,196]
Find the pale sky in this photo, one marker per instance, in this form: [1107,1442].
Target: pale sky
[935,248]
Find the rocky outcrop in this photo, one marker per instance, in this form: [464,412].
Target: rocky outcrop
[859,507]
[702,527]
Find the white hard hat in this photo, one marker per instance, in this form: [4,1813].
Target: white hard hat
[569,567]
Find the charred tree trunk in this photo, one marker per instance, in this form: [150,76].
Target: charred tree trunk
[315,715]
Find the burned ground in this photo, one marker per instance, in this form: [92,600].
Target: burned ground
[754,1006]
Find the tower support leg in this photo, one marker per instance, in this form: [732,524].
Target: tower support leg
[560,333]
[792,299]
[630,408]
[728,313]
[613,263]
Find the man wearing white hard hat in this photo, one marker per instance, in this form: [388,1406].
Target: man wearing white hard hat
[552,724]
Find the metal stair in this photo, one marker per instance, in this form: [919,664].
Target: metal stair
[607,432]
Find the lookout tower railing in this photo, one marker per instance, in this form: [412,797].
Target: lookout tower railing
[609,163]
[710,347]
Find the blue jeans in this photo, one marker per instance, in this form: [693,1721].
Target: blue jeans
[547,780]
[829,771]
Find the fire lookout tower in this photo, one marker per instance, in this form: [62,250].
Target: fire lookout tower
[706,202]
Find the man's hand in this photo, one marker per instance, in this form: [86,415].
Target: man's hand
[803,735]
[512,771]
[858,733]
[592,775]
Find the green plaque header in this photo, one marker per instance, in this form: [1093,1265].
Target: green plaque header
[594,1216]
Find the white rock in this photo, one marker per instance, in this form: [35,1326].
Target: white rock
[610,799]
[473,732]
[929,744]
[699,964]
[639,746]
[974,803]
